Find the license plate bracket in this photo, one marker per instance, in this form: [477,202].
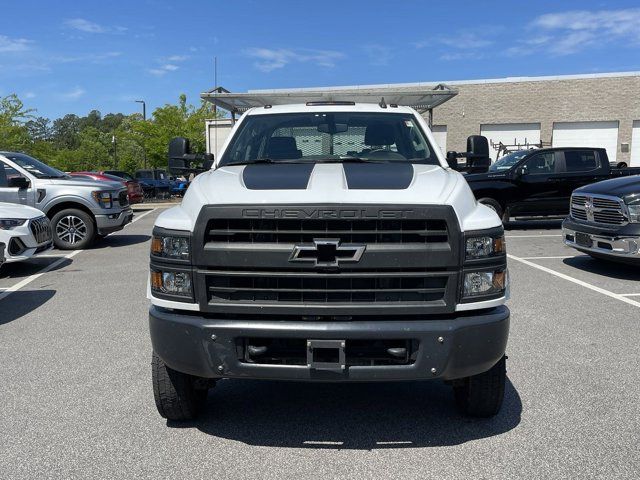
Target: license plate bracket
[584,239]
[326,354]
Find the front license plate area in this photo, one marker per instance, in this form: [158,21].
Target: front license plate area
[584,239]
[326,354]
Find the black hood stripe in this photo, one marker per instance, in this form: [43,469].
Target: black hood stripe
[378,176]
[360,176]
[284,176]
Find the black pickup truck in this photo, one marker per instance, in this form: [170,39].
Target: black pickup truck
[539,183]
[605,220]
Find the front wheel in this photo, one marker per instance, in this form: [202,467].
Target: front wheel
[178,396]
[482,395]
[73,229]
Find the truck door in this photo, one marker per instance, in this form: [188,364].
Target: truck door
[539,189]
[579,168]
[11,194]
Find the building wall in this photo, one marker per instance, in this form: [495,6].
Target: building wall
[541,101]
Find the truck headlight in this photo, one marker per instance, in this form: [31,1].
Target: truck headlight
[485,283]
[484,246]
[171,283]
[634,213]
[167,246]
[11,223]
[102,198]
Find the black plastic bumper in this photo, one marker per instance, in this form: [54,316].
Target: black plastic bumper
[448,348]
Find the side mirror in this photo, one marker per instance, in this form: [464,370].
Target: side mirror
[521,171]
[178,147]
[208,161]
[19,182]
[452,160]
[478,159]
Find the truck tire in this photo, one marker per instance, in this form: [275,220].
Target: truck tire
[73,229]
[176,394]
[481,395]
[495,206]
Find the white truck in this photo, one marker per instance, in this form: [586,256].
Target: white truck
[331,241]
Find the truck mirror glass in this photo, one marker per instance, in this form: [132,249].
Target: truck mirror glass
[18,182]
[452,160]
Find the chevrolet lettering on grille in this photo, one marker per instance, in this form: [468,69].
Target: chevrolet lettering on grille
[327,252]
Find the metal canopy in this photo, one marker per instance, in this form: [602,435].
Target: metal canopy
[422,99]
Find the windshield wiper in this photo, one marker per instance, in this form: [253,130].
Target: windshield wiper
[261,160]
[349,160]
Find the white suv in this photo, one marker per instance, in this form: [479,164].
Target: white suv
[24,231]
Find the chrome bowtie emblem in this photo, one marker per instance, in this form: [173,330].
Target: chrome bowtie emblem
[588,208]
[327,252]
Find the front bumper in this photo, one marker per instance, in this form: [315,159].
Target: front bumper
[620,244]
[112,222]
[21,244]
[448,347]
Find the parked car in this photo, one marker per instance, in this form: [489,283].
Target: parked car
[605,220]
[538,183]
[24,232]
[80,210]
[2,258]
[155,183]
[328,264]
[134,190]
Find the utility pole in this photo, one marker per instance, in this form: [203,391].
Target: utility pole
[115,151]
[144,118]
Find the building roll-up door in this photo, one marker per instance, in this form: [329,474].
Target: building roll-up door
[635,145]
[510,134]
[587,134]
[440,134]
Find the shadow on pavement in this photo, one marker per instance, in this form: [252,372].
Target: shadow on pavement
[533,225]
[346,416]
[121,240]
[603,267]
[19,303]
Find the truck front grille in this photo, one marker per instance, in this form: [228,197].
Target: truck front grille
[324,288]
[351,231]
[41,229]
[598,209]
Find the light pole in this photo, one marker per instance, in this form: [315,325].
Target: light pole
[144,118]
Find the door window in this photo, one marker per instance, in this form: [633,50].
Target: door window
[580,160]
[7,173]
[541,163]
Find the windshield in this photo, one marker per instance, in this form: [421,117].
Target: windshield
[35,167]
[120,175]
[508,161]
[331,136]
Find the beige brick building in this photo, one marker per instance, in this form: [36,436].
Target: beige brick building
[591,110]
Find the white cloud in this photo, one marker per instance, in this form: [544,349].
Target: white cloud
[163,69]
[87,26]
[379,55]
[74,94]
[13,44]
[466,41]
[268,59]
[93,58]
[570,32]
[30,95]
[177,58]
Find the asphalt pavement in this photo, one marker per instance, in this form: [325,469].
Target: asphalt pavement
[76,398]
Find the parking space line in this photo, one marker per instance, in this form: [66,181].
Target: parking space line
[23,283]
[533,236]
[629,294]
[576,281]
[550,258]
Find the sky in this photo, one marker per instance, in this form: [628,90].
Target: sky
[72,57]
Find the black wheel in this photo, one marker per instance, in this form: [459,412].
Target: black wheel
[178,396]
[481,395]
[73,229]
[495,206]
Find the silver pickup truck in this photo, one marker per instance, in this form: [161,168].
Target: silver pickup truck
[80,211]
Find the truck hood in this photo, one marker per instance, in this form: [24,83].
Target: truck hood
[12,210]
[327,183]
[93,184]
[617,187]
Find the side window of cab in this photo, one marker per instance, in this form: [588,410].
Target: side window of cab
[581,161]
[541,163]
[7,173]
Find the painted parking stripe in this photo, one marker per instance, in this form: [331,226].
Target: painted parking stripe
[560,257]
[533,236]
[630,294]
[576,281]
[23,283]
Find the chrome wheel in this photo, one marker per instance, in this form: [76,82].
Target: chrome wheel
[71,229]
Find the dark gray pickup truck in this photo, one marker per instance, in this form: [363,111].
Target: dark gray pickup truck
[539,183]
[605,220]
